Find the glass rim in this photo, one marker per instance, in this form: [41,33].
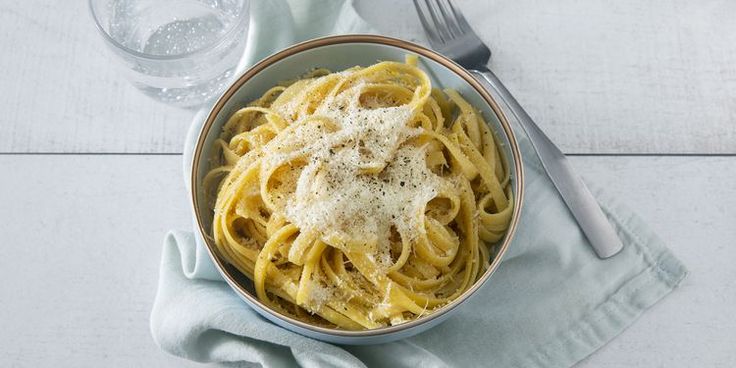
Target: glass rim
[106,35]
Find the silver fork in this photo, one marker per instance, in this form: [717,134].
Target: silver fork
[450,34]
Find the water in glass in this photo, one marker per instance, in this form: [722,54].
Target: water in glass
[181,52]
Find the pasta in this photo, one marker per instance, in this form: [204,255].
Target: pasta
[359,199]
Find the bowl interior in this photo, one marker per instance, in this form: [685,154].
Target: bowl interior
[336,57]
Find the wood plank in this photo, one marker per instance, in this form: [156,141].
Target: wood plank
[82,241]
[607,77]
[623,77]
[62,90]
[83,234]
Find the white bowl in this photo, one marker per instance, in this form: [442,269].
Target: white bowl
[338,53]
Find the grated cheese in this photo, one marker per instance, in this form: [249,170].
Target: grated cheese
[360,180]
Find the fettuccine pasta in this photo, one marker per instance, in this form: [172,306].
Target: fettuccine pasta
[359,199]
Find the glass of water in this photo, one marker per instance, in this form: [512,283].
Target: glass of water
[180,52]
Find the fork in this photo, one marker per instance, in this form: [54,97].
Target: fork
[450,34]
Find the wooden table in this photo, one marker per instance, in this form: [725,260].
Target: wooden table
[641,95]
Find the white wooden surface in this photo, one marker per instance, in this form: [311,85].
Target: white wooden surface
[61,91]
[81,233]
[82,244]
[657,76]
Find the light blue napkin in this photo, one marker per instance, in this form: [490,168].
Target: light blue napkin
[551,303]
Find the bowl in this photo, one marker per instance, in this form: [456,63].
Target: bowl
[338,53]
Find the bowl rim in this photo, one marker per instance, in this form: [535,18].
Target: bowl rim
[461,72]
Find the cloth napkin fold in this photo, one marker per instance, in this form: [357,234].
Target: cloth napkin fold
[551,303]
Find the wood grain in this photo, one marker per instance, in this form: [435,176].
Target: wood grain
[82,233]
[62,90]
[81,249]
[608,77]
[622,77]
[82,243]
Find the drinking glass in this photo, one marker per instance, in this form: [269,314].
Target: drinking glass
[180,52]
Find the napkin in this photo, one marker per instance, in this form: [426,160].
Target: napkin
[551,302]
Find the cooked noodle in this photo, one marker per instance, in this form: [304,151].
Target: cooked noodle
[359,199]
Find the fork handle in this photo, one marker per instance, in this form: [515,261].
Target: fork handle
[576,195]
